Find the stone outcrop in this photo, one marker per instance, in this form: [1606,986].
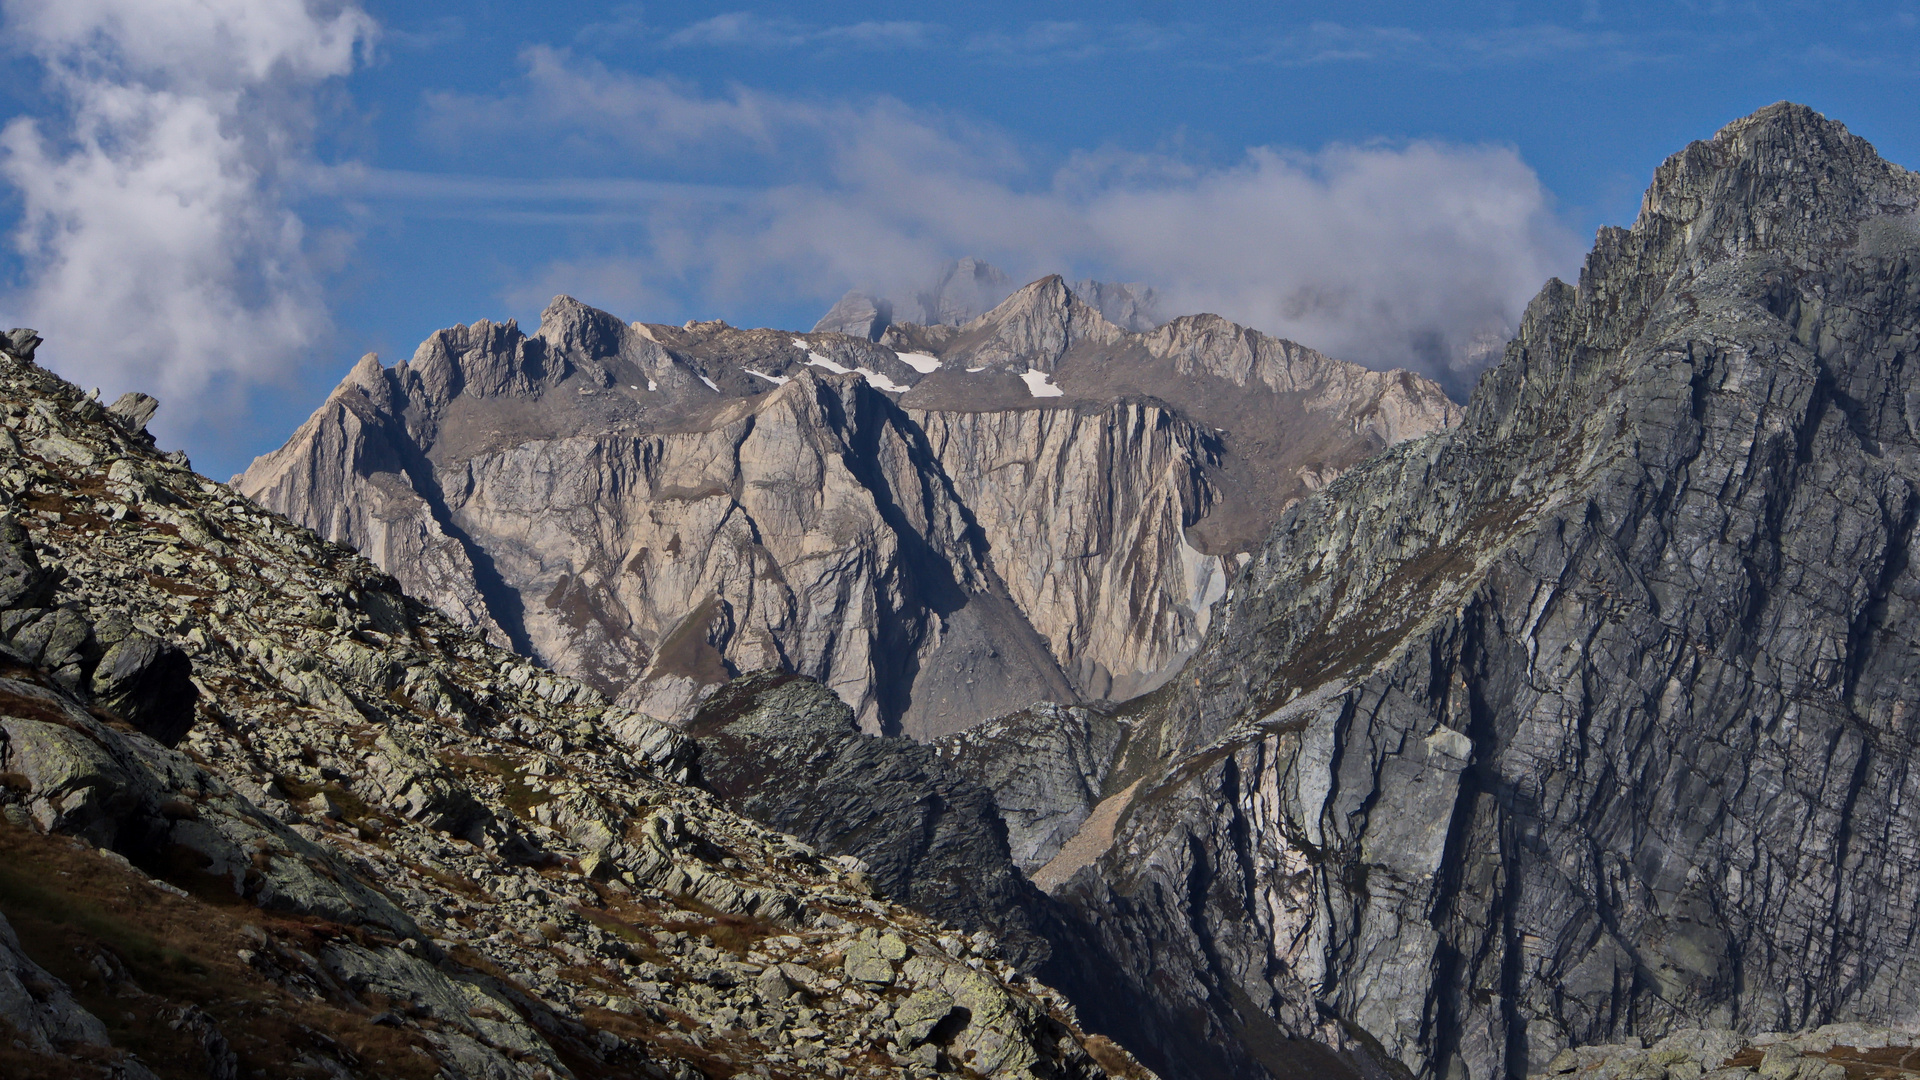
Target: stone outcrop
[1046,767]
[385,847]
[1589,719]
[785,750]
[943,526]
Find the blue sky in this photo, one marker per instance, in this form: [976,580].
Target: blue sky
[227,201]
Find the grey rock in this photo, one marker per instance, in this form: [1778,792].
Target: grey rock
[1586,719]
[785,751]
[40,1008]
[865,963]
[964,290]
[24,583]
[22,342]
[1047,768]
[857,315]
[134,409]
[1128,305]
[920,1012]
[146,681]
[131,795]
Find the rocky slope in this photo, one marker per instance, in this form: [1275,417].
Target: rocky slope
[265,815]
[1830,1052]
[784,750]
[1591,718]
[943,526]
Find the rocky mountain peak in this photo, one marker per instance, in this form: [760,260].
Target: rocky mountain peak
[963,289]
[1748,186]
[373,379]
[696,473]
[967,289]
[1033,328]
[572,328]
[1579,712]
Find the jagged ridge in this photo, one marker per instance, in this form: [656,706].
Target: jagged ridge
[1587,718]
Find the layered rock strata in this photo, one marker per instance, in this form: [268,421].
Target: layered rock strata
[943,526]
[1590,718]
[384,847]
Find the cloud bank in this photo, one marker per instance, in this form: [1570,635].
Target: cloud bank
[158,249]
[1419,254]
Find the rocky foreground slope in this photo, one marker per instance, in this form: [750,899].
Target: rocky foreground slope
[263,814]
[1592,718]
[943,526]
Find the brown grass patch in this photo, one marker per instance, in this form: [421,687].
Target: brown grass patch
[133,955]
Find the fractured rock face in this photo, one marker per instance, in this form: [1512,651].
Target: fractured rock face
[1047,768]
[943,526]
[1590,718]
[784,750]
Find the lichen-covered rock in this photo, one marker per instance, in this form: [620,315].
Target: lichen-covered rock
[461,858]
[1831,1052]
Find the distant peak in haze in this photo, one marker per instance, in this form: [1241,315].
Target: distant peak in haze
[967,288]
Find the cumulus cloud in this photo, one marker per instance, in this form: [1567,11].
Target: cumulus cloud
[158,247]
[1417,254]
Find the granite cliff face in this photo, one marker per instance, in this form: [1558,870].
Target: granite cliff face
[942,526]
[263,814]
[1588,720]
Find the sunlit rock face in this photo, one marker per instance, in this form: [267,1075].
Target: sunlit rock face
[944,525]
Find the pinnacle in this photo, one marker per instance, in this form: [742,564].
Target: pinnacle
[1048,292]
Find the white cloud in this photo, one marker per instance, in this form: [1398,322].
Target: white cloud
[1393,255]
[1453,50]
[1054,41]
[159,250]
[744,29]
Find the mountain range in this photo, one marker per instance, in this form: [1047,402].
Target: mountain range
[943,526]
[929,692]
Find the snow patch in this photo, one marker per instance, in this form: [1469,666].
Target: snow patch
[920,362]
[881,382]
[973,370]
[710,384]
[1206,580]
[1040,384]
[874,378]
[652,386]
[777,380]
